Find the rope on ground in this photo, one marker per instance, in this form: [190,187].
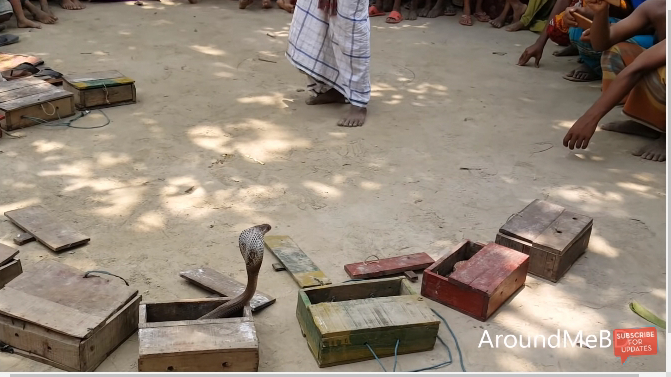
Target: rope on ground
[67,123]
[106,273]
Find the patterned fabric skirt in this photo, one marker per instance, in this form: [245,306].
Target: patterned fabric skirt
[646,103]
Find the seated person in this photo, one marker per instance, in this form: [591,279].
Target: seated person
[632,75]
[531,16]
[590,69]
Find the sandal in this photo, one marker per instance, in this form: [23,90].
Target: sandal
[20,71]
[394,17]
[450,11]
[49,75]
[8,39]
[465,20]
[481,16]
[374,12]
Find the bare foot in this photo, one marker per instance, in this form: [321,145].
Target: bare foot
[435,12]
[411,15]
[518,10]
[26,23]
[450,10]
[631,127]
[355,118]
[44,5]
[515,26]
[655,151]
[567,51]
[266,4]
[331,96]
[424,12]
[242,4]
[498,21]
[43,17]
[581,74]
[286,5]
[72,5]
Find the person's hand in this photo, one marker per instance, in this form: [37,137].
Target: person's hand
[586,36]
[569,19]
[579,135]
[534,51]
[597,6]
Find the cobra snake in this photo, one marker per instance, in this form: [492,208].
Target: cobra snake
[251,248]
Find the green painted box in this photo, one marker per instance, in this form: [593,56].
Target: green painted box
[339,319]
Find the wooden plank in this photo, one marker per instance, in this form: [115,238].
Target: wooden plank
[56,317]
[7,86]
[49,96]
[532,220]
[562,233]
[216,282]
[487,269]
[388,266]
[9,272]
[7,254]
[92,76]
[25,91]
[94,350]
[279,267]
[299,265]
[229,361]
[174,340]
[23,238]
[46,229]
[342,318]
[411,276]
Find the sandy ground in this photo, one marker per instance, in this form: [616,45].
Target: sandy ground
[458,139]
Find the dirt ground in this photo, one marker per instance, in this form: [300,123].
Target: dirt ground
[458,139]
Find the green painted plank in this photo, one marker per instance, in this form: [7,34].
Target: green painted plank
[299,265]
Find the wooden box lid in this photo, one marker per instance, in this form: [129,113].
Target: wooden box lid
[488,268]
[7,254]
[59,298]
[334,319]
[26,92]
[547,226]
[96,80]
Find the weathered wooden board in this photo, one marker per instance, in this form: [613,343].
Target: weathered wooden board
[299,265]
[411,276]
[532,220]
[340,321]
[47,229]
[7,254]
[32,97]
[23,238]
[388,266]
[216,282]
[172,340]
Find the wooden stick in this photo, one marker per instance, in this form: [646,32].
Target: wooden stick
[583,22]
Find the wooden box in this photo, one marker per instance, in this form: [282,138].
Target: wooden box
[553,237]
[487,277]
[172,338]
[52,314]
[10,267]
[338,320]
[100,89]
[32,97]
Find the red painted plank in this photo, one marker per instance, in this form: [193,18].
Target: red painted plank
[388,266]
[489,268]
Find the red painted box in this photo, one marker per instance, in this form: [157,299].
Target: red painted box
[487,276]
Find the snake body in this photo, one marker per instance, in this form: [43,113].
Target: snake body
[251,248]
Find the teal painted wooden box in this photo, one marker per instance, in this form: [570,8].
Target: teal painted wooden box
[339,319]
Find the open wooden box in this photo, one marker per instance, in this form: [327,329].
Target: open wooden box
[338,320]
[172,338]
[553,237]
[32,97]
[53,314]
[10,267]
[489,275]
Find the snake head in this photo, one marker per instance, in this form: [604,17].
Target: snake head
[264,228]
[252,246]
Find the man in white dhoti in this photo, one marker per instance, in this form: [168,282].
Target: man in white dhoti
[329,41]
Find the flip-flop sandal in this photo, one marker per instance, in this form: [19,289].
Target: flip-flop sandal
[373,12]
[482,17]
[569,77]
[8,39]
[49,75]
[20,71]
[450,11]
[394,17]
[465,20]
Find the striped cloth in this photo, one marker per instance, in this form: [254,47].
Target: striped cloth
[334,51]
[646,103]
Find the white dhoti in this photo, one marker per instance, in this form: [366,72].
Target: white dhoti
[333,50]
